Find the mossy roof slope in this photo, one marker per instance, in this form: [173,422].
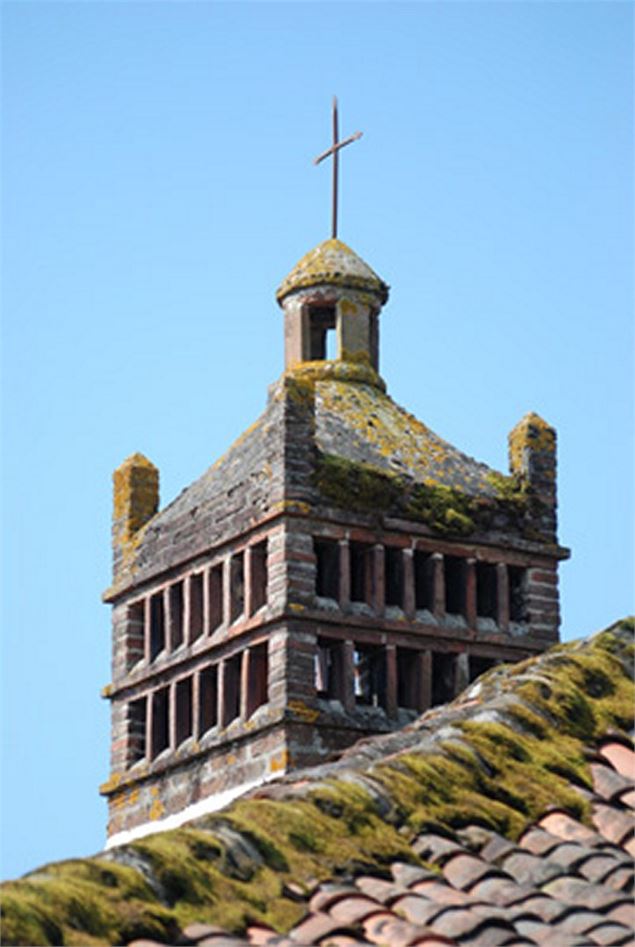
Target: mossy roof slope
[360,423]
[348,416]
[504,817]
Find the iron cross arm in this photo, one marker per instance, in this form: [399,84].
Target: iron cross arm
[337,146]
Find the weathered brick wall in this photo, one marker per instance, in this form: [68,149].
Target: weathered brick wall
[193,780]
[239,491]
[543,602]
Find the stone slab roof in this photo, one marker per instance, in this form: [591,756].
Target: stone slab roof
[505,817]
[364,425]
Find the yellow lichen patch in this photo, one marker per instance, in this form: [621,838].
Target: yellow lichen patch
[300,709]
[348,308]
[531,433]
[399,441]
[333,263]
[296,506]
[156,811]
[111,783]
[279,762]
[296,607]
[355,369]
[135,494]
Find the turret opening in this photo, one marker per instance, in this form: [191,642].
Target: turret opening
[322,342]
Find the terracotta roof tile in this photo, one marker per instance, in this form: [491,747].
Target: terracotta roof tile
[488,933]
[475,837]
[621,759]
[544,934]
[408,875]
[354,908]
[623,914]
[545,908]
[259,935]
[497,848]
[621,879]
[374,925]
[600,868]
[418,910]
[441,892]
[580,920]
[611,934]
[607,782]
[571,855]
[315,927]
[565,827]
[629,846]
[614,824]
[457,922]
[464,871]
[384,892]
[328,894]
[501,892]
[396,933]
[538,841]
[575,891]
[435,848]
[528,869]
[628,799]
[342,940]
[196,932]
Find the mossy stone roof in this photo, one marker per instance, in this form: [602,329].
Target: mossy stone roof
[360,423]
[354,419]
[517,790]
[334,263]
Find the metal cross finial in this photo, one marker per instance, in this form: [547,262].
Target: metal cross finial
[334,150]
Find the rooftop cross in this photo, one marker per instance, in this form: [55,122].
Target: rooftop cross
[334,150]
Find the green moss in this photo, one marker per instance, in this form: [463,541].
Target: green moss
[443,509]
[356,486]
[26,918]
[447,511]
[512,488]
[83,902]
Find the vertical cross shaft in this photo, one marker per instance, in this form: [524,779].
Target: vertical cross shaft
[334,152]
[335,169]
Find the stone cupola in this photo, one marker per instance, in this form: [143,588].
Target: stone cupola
[331,288]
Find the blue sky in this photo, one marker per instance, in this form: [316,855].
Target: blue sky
[157,186]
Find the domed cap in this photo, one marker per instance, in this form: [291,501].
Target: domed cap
[333,263]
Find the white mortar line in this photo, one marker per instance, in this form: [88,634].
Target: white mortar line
[194,811]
